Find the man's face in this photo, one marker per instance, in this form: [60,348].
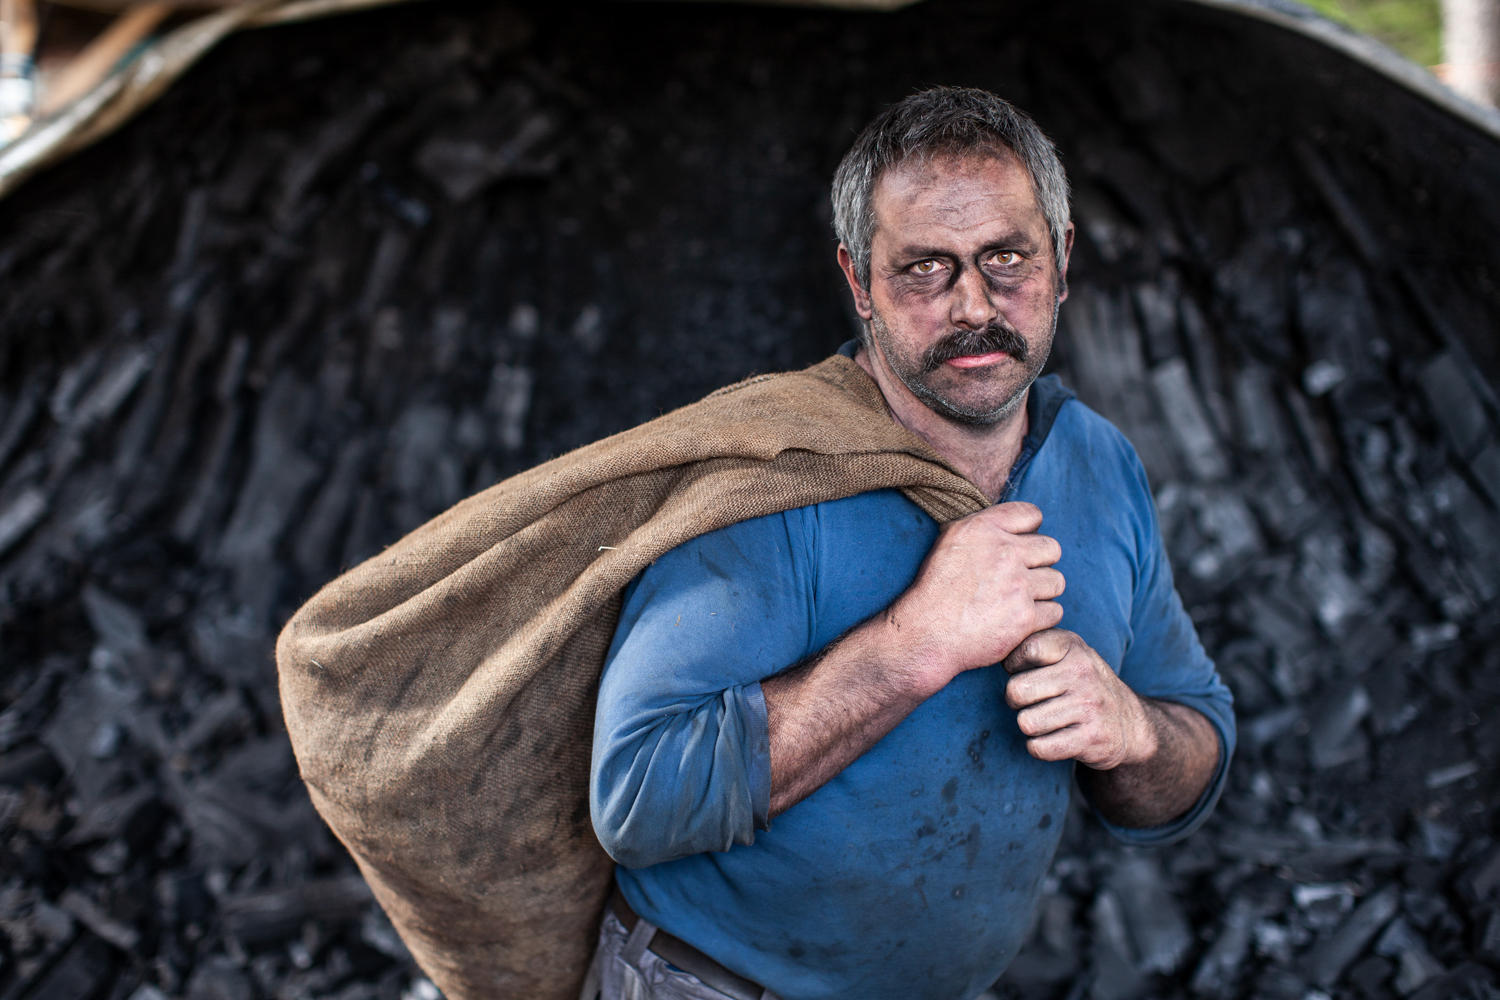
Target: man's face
[964,289]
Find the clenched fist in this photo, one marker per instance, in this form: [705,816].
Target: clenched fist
[987,584]
[1071,705]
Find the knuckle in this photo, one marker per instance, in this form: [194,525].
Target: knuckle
[1105,754]
[1019,516]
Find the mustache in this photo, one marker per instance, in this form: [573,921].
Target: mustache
[963,343]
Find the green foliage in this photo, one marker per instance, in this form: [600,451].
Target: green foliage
[1412,27]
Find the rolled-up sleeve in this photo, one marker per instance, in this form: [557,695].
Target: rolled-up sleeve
[1166,661]
[681,756]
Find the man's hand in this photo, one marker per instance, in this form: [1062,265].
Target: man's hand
[1072,706]
[987,584]
[1145,761]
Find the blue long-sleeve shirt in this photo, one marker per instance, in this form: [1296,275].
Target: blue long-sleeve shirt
[915,870]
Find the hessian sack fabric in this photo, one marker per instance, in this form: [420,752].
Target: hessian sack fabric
[440,696]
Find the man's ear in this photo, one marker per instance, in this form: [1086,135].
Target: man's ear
[861,295]
[1062,278]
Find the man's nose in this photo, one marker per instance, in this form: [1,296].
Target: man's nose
[973,305]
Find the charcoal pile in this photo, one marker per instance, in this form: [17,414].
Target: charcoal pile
[348,272]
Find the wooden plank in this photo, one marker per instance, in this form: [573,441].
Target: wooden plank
[102,55]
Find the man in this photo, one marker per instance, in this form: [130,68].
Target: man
[834,747]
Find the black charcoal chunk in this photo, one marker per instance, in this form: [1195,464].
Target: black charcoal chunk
[94,917]
[1416,966]
[1158,930]
[1188,421]
[509,399]
[1488,947]
[318,535]
[1468,980]
[1116,976]
[1337,737]
[1260,416]
[121,374]
[1480,882]
[131,817]
[513,136]
[116,624]
[86,731]
[1220,968]
[1371,977]
[19,514]
[211,490]
[1453,404]
[1343,205]
[28,764]
[20,411]
[278,476]
[82,971]
[329,147]
[223,717]
[386,267]
[278,914]
[1486,471]
[1326,961]
[219,978]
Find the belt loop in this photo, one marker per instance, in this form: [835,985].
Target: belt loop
[639,940]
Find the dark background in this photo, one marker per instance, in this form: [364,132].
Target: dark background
[348,272]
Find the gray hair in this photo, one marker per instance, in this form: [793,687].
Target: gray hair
[943,120]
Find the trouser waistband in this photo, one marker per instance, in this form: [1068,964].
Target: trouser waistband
[687,958]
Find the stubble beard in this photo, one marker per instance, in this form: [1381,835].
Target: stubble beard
[964,343]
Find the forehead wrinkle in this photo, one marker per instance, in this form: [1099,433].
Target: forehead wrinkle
[1015,239]
[922,171]
[910,186]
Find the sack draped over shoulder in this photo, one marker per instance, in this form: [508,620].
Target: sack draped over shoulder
[440,696]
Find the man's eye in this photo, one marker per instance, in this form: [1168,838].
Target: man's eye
[925,267]
[1005,258]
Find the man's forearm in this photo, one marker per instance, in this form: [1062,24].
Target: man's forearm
[1167,783]
[825,713]
[987,583]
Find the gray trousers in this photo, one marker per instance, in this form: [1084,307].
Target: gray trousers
[625,969]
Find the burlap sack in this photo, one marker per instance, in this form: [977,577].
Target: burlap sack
[440,696]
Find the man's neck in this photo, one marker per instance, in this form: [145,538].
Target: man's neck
[983,453]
